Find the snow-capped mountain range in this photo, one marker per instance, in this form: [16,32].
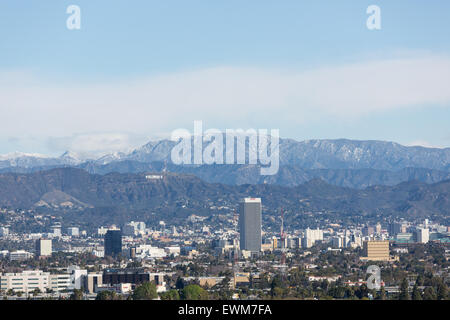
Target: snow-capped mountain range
[342,162]
[308,154]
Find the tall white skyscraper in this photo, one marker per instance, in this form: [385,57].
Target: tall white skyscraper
[44,247]
[250,224]
[73,232]
[423,235]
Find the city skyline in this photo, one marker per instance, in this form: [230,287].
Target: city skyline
[255,156]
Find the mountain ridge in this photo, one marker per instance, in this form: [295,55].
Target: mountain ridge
[119,197]
[343,162]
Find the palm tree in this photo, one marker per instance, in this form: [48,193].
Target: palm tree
[404,292]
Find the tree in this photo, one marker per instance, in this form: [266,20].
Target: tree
[180,283]
[277,292]
[429,294]
[442,291]
[382,294]
[36,291]
[419,280]
[416,294]
[76,295]
[404,293]
[106,295]
[170,295]
[194,292]
[324,285]
[276,286]
[349,292]
[362,291]
[146,291]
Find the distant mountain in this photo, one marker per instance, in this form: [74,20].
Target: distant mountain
[353,154]
[152,151]
[116,198]
[330,154]
[286,176]
[28,161]
[348,163]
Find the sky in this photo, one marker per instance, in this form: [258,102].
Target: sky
[137,70]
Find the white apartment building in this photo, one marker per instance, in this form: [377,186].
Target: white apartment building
[76,276]
[102,231]
[56,231]
[73,232]
[147,251]
[20,255]
[59,282]
[44,247]
[423,235]
[173,250]
[311,236]
[26,281]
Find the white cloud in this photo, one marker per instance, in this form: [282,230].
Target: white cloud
[95,145]
[164,103]
[423,143]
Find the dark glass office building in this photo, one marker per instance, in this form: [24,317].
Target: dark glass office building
[250,224]
[113,243]
[136,276]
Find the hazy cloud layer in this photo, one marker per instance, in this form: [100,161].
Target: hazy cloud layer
[163,103]
[95,145]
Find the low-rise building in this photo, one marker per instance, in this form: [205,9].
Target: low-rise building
[30,280]
[20,255]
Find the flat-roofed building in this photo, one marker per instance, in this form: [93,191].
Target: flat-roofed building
[73,231]
[60,282]
[91,282]
[376,250]
[43,247]
[26,281]
[113,243]
[250,224]
[134,276]
[30,280]
[422,235]
[20,255]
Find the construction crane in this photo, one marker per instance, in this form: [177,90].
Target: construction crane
[283,245]
[236,241]
[283,239]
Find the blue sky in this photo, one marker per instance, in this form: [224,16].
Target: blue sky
[139,69]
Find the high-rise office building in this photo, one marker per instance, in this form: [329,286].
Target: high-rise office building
[368,231]
[376,250]
[422,235]
[396,228]
[250,224]
[73,232]
[56,230]
[113,242]
[43,247]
